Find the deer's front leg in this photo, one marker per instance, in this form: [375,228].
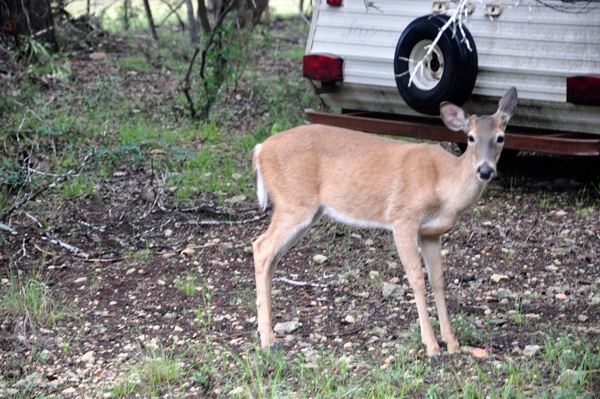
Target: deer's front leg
[407,243]
[432,254]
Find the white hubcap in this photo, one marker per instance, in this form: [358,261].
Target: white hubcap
[428,75]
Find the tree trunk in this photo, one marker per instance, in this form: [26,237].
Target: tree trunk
[28,17]
[126,14]
[192,23]
[150,19]
[203,16]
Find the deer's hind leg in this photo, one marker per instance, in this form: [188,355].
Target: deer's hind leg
[285,230]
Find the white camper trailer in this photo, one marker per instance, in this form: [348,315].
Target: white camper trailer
[361,54]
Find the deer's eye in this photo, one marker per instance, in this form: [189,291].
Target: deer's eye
[500,139]
[471,138]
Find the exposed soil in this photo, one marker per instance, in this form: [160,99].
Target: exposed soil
[536,224]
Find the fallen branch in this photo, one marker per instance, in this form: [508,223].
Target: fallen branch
[70,248]
[299,283]
[348,332]
[217,222]
[58,181]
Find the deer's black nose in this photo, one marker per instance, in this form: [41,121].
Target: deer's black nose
[485,172]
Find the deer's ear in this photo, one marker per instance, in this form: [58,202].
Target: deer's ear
[454,117]
[507,105]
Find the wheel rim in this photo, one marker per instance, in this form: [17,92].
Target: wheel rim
[429,75]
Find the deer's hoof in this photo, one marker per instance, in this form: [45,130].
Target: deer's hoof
[275,346]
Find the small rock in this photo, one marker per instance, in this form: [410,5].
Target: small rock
[236,176]
[368,242]
[373,274]
[188,251]
[46,355]
[98,55]
[236,391]
[478,352]
[391,290]
[69,391]
[112,303]
[177,329]
[498,321]
[496,278]
[98,329]
[320,259]
[382,332]
[561,213]
[395,280]
[551,268]
[285,328]
[129,347]
[390,359]
[530,350]
[236,198]
[88,357]
[130,271]
[80,280]
[560,297]
[582,318]
[346,358]
[348,345]
[168,255]
[168,233]
[161,282]
[350,319]
[392,265]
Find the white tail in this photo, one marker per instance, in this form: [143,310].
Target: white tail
[417,191]
[261,189]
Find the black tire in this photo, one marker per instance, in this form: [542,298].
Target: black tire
[459,65]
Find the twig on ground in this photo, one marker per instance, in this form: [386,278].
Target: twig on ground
[348,332]
[217,222]
[70,248]
[299,283]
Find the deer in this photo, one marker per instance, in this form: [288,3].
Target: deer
[415,190]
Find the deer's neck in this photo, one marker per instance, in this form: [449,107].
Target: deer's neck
[467,186]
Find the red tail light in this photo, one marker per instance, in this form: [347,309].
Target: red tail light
[334,2]
[323,67]
[584,90]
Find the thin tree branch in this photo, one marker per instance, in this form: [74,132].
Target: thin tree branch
[186,80]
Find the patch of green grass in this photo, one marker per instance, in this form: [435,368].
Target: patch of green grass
[187,284]
[31,298]
[158,372]
[81,185]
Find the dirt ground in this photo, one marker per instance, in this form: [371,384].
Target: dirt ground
[538,226]
[130,300]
